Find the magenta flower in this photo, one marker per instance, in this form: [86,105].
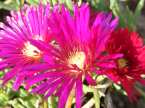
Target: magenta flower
[16,51]
[74,55]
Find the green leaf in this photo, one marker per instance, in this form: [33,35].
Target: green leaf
[9,5]
[36,2]
[87,89]
[96,98]
[52,103]
[3,98]
[16,104]
[69,4]
[54,2]
[33,2]
[23,93]
[1,73]
[20,2]
[127,17]
[99,4]
[114,6]
[61,1]
[11,94]
[139,7]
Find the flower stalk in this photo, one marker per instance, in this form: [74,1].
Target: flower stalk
[44,103]
[96,97]
[70,100]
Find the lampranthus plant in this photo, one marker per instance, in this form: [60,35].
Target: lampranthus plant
[130,67]
[16,51]
[74,55]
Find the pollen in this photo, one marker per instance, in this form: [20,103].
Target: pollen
[30,50]
[122,63]
[77,59]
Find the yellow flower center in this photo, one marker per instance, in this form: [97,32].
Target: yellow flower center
[30,50]
[77,59]
[122,63]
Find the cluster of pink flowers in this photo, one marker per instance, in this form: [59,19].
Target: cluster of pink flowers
[56,51]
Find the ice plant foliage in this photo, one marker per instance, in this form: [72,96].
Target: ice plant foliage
[16,51]
[75,53]
[130,67]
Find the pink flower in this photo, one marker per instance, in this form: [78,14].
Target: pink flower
[16,51]
[74,54]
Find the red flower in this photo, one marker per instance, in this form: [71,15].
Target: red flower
[131,66]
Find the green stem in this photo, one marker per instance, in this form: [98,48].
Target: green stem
[45,103]
[53,102]
[96,98]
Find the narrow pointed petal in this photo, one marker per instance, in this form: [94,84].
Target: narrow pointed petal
[79,91]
